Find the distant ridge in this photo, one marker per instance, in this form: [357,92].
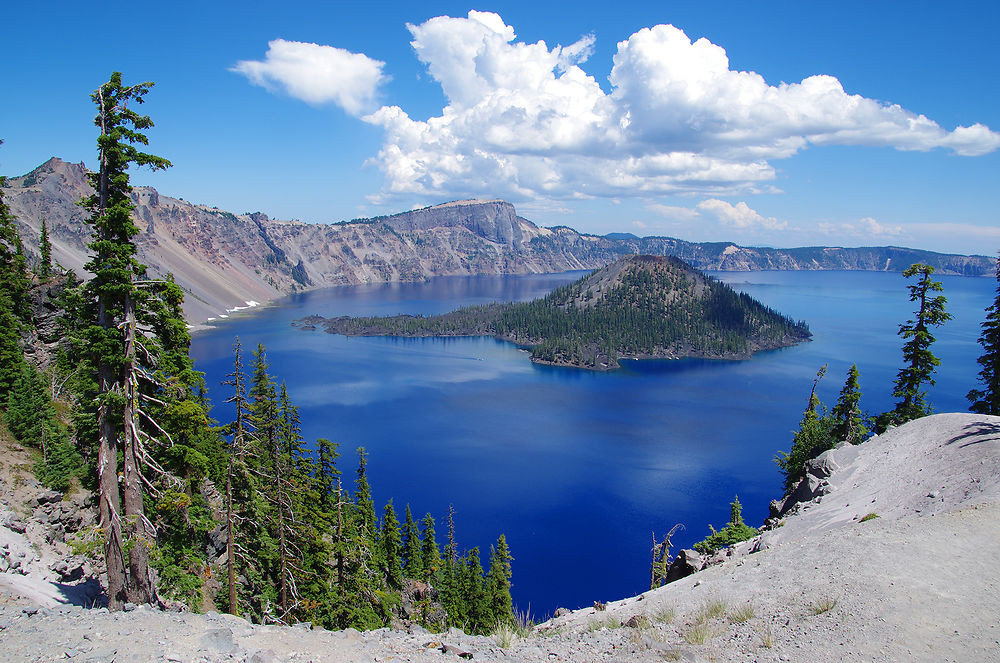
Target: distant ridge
[226,261]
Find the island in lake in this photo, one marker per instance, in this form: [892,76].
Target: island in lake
[639,307]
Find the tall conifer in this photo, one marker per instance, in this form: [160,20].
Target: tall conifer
[111,340]
[413,566]
[45,251]
[987,399]
[391,548]
[498,582]
[846,414]
[430,555]
[917,357]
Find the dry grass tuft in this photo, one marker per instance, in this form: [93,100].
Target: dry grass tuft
[743,613]
[822,605]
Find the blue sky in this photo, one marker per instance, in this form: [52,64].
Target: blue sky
[779,123]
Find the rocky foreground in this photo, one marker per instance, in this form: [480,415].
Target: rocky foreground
[889,551]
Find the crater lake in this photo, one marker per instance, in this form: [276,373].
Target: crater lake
[579,469]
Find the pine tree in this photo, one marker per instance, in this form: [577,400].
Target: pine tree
[274,420]
[813,437]
[391,548]
[987,399]
[237,474]
[13,265]
[476,602]
[498,583]
[430,555]
[917,357]
[327,472]
[45,250]
[413,566]
[449,586]
[363,502]
[112,352]
[735,531]
[848,424]
[290,431]
[11,355]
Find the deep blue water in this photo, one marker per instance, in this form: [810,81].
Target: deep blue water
[579,468]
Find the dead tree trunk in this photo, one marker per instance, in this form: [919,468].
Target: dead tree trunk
[141,586]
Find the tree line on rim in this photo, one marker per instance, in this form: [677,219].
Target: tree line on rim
[121,408]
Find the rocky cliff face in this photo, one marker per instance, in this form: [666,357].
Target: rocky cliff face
[226,261]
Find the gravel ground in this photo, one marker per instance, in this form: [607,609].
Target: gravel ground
[919,583]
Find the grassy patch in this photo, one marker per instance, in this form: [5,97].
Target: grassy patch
[640,622]
[766,636]
[504,634]
[743,613]
[605,621]
[710,610]
[870,516]
[822,605]
[699,633]
[665,614]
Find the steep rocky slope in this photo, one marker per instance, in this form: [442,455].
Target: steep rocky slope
[225,260]
[918,583]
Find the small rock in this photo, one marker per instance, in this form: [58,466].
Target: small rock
[452,649]
[599,606]
[219,639]
[266,656]
[561,612]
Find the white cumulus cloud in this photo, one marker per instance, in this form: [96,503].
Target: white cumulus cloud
[739,216]
[317,74]
[525,121]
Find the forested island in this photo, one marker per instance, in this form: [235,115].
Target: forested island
[639,307]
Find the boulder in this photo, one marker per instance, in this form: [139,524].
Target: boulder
[687,562]
[218,539]
[45,497]
[70,569]
[419,603]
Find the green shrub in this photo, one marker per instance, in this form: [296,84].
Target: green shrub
[734,532]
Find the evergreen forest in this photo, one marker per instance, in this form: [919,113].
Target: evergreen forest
[638,307]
